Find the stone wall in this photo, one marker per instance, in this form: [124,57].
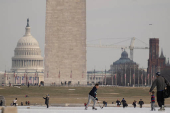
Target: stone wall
[65,41]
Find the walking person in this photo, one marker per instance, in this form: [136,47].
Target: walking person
[92,96]
[141,103]
[152,101]
[160,84]
[46,100]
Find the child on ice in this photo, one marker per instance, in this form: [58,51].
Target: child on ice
[134,104]
[152,101]
[141,103]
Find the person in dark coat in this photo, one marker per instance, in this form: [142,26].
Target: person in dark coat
[26,103]
[134,104]
[159,83]
[1,103]
[22,104]
[118,103]
[46,100]
[104,104]
[93,97]
[141,103]
[124,103]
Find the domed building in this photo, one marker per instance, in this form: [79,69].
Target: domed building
[27,62]
[122,67]
[124,59]
[27,54]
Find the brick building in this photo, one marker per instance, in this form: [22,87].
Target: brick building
[156,62]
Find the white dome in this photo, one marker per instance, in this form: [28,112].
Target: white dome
[27,41]
[27,54]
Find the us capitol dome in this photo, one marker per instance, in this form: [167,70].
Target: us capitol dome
[27,54]
[27,63]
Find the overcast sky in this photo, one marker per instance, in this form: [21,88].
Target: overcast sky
[108,21]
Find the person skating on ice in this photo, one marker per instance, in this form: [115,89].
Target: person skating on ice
[134,104]
[124,103]
[15,102]
[92,97]
[118,103]
[141,103]
[160,84]
[46,100]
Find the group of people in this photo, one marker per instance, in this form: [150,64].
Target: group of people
[14,103]
[118,103]
[140,103]
[160,83]
[123,102]
[27,103]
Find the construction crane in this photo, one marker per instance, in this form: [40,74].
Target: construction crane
[131,47]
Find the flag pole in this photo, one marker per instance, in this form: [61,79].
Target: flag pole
[105,75]
[125,74]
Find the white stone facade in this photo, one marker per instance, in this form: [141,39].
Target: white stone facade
[21,78]
[27,63]
[65,42]
[27,54]
[99,77]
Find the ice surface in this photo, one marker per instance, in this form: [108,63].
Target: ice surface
[34,109]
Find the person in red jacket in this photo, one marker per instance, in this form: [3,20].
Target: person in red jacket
[28,102]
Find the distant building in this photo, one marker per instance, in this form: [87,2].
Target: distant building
[156,62]
[116,75]
[27,63]
[124,60]
[119,69]
[98,77]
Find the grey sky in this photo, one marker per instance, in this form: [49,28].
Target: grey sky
[105,19]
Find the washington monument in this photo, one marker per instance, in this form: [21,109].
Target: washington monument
[65,42]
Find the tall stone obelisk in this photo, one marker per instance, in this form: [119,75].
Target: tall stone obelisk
[65,42]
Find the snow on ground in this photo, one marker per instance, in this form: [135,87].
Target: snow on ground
[34,109]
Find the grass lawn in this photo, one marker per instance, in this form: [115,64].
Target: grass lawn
[79,95]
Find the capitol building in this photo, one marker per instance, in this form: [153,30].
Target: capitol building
[27,62]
